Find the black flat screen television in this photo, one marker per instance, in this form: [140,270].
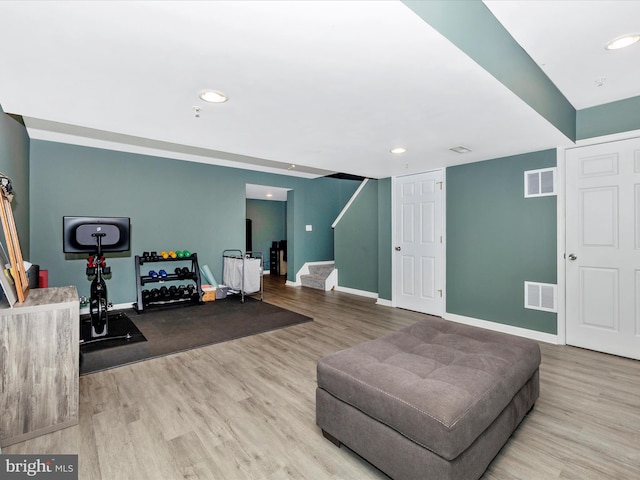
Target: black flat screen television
[79,234]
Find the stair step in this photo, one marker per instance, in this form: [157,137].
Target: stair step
[321,270]
[317,276]
[313,281]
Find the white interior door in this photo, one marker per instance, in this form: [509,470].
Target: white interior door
[419,257]
[603,247]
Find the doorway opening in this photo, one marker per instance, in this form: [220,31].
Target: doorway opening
[266,226]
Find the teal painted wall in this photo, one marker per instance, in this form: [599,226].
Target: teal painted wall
[614,117]
[268,220]
[172,204]
[363,238]
[356,242]
[292,218]
[14,163]
[497,239]
[385,239]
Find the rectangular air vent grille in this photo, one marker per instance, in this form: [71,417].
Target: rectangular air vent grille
[540,183]
[540,296]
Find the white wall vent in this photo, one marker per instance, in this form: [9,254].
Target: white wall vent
[540,183]
[541,296]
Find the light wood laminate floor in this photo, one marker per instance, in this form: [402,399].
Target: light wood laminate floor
[245,409]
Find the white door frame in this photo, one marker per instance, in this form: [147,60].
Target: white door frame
[561,206]
[394,240]
[562,222]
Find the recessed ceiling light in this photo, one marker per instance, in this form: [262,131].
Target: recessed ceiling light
[212,96]
[460,149]
[398,150]
[623,41]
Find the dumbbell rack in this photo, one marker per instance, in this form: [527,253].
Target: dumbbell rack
[144,302]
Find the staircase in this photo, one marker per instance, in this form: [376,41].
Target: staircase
[318,277]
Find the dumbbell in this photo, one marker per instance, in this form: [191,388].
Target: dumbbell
[153,255]
[155,294]
[162,273]
[173,291]
[164,292]
[164,254]
[179,253]
[173,254]
[146,296]
[192,292]
[153,274]
[186,253]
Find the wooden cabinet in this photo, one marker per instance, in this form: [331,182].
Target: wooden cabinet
[39,356]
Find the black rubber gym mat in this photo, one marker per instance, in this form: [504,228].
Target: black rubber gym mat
[182,328]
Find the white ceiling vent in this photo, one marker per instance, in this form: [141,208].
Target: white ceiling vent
[540,296]
[460,149]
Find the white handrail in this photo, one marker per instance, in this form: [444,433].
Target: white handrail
[351,200]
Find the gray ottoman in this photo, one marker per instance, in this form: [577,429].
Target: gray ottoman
[436,400]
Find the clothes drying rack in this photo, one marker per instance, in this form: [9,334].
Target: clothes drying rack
[242,272]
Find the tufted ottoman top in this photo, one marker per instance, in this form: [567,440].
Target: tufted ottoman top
[438,383]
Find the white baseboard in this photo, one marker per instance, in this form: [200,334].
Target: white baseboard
[289,283]
[384,302]
[500,327]
[353,291]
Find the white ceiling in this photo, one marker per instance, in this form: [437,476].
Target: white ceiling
[327,86]
[264,192]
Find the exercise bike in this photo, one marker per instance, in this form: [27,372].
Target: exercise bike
[98,303]
[95,236]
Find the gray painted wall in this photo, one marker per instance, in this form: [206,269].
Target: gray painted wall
[172,204]
[497,239]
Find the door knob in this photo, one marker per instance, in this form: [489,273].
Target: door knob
[398,249]
[573,256]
